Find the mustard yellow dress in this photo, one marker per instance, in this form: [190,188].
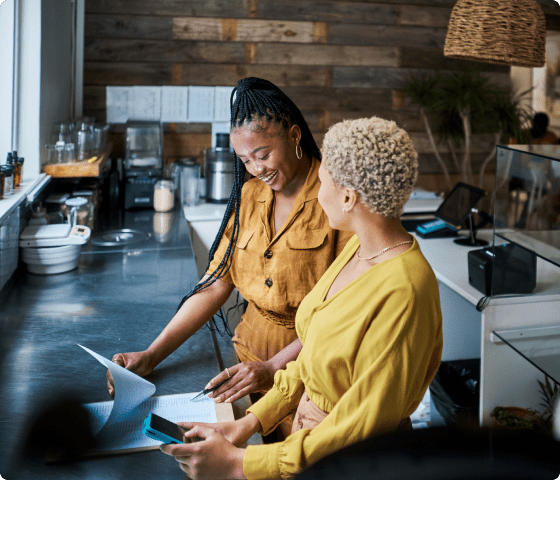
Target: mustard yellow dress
[274,271]
[369,353]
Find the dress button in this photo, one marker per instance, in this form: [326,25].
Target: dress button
[268,282]
[268,254]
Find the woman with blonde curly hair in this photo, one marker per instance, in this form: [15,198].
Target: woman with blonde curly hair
[371,327]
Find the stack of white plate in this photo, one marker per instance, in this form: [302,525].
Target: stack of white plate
[51,260]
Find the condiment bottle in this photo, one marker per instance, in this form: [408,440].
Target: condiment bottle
[17,170]
[8,171]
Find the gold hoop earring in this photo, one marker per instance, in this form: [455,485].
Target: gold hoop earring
[300,154]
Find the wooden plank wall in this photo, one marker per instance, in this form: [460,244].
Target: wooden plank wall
[335,59]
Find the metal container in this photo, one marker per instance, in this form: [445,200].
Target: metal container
[219,170]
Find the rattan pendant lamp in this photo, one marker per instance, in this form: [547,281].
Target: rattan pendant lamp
[511,32]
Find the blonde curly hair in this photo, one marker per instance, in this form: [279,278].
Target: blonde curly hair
[374,157]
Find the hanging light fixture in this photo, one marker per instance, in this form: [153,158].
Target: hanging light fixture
[511,32]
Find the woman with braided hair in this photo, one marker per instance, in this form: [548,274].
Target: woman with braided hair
[274,244]
[371,327]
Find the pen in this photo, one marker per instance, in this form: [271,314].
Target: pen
[206,391]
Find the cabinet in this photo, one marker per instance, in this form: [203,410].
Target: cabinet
[516,336]
[472,324]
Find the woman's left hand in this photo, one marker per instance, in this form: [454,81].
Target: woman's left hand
[208,455]
[244,378]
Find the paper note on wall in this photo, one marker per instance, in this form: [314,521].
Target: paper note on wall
[174,104]
[222,97]
[117,101]
[201,104]
[146,103]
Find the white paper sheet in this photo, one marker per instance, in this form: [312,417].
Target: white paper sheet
[201,104]
[117,424]
[145,103]
[222,97]
[130,389]
[127,433]
[117,100]
[174,104]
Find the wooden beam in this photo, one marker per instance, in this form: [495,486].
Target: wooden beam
[199,29]
[140,50]
[425,16]
[188,8]
[128,73]
[253,30]
[229,75]
[407,120]
[329,11]
[326,55]
[386,35]
[340,99]
[128,26]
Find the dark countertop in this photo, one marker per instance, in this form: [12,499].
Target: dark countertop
[117,300]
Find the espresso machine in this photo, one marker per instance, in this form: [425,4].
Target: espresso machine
[143,165]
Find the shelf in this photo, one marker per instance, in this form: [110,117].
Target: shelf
[78,168]
[539,346]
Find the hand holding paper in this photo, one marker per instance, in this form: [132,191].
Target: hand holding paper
[117,425]
[130,389]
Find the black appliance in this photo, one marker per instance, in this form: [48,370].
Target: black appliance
[143,162]
[504,269]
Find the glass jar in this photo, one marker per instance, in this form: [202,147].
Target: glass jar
[164,195]
[83,208]
[8,171]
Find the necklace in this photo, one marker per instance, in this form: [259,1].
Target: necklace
[380,252]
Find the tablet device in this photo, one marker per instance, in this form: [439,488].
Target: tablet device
[457,205]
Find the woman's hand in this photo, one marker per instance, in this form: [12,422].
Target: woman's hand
[236,432]
[244,378]
[209,455]
[137,362]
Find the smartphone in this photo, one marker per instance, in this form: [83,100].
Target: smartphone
[163,430]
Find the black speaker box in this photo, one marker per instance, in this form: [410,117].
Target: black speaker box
[503,269]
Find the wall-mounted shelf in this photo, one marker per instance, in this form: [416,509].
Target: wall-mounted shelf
[540,346]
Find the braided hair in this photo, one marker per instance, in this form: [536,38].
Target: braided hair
[251,99]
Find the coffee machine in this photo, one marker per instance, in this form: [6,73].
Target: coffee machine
[143,163]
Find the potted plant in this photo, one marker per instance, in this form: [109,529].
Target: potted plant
[517,417]
[549,393]
[454,106]
[527,418]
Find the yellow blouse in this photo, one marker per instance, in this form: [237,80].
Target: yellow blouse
[274,272]
[369,353]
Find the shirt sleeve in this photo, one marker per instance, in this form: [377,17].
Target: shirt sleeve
[221,251]
[281,400]
[388,387]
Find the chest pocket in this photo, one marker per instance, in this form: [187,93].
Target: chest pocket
[243,238]
[307,239]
